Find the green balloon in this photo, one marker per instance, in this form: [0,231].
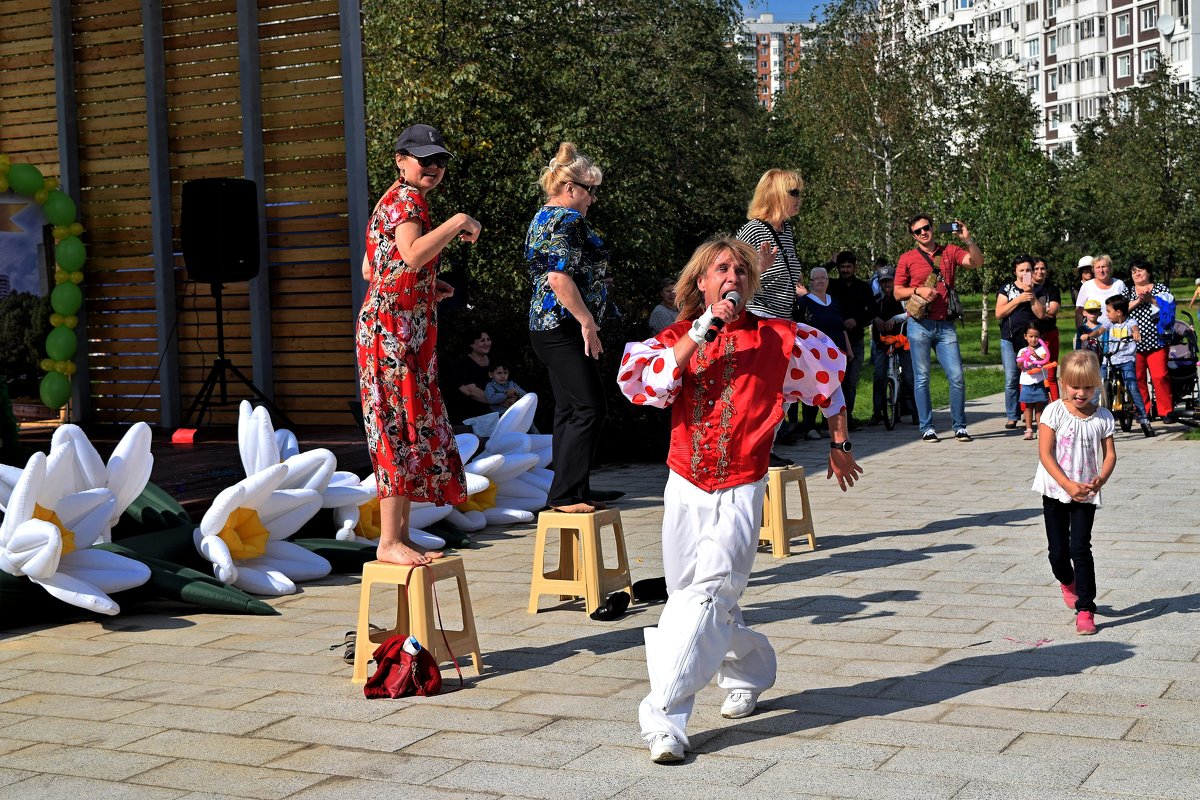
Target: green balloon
[61,343]
[55,389]
[59,208]
[25,178]
[66,298]
[70,254]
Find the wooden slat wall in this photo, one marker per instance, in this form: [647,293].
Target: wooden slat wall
[28,129]
[110,99]
[204,118]
[305,167]
[304,153]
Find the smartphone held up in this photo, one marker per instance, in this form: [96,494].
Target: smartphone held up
[947,227]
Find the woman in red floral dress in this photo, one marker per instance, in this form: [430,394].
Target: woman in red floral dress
[411,442]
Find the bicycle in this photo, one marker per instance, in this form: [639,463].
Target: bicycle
[893,387]
[1116,397]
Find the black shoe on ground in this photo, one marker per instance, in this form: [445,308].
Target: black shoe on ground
[929,436]
[962,435]
[1147,431]
[779,462]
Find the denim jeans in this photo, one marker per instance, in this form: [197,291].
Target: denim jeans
[1130,377]
[1012,379]
[926,336]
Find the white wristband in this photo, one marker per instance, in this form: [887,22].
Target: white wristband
[701,326]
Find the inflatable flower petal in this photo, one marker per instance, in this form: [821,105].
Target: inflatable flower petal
[358,521]
[508,462]
[51,543]
[75,466]
[261,446]
[239,534]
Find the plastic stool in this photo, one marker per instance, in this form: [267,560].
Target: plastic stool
[416,613]
[581,571]
[777,529]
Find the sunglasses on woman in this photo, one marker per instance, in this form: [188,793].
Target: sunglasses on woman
[439,160]
[590,189]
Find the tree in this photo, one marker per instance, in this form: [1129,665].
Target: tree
[24,326]
[1132,188]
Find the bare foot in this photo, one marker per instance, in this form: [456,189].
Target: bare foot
[425,551]
[400,553]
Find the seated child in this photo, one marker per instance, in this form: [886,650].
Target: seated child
[1091,334]
[500,391]
[1123,335]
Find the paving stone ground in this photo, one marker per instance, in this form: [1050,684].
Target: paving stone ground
[924,652]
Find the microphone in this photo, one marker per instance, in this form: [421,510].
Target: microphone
[718,323]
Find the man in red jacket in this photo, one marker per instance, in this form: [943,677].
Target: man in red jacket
[727,397]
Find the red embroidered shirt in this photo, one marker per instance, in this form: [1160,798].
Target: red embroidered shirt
[726,402]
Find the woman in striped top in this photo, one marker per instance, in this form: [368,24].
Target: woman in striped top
[776,200]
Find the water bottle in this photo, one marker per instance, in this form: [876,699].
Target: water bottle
[411,646]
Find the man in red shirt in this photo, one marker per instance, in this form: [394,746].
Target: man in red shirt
[726,397]
[936,332]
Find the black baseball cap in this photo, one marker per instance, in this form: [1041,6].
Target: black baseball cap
[421,141]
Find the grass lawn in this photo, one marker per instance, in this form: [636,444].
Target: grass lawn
[980,383]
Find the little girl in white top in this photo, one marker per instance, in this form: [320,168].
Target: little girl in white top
[1077,457]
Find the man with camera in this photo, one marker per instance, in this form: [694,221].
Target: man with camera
[925,283]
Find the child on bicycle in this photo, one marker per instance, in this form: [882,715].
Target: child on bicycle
[1076,458]
[1123,335]
[1032,359]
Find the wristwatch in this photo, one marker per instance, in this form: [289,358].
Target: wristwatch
[845,446]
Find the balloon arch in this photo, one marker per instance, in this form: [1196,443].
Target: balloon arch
[69,254]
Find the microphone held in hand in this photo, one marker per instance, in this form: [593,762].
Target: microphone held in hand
[718,323]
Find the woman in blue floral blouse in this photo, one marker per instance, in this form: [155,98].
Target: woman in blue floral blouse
[567,263]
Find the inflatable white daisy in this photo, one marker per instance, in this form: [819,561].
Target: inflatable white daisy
[243,534]
[48,533]
[125,475]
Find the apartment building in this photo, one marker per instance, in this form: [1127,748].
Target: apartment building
[771,52]
[1075,58]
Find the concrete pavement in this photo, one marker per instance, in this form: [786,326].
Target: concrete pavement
[924,652]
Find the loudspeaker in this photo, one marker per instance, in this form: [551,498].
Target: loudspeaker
[219,222]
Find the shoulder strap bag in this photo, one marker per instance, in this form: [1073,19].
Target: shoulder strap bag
[954,306]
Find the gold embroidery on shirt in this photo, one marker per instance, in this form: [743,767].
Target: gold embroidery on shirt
[726,409]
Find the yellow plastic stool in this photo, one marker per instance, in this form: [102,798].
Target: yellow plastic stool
[777,529]
[581,571]
[416,614]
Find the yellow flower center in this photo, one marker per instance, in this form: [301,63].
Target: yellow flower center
[244,534]
[68,536]
[368,526]
[481,501]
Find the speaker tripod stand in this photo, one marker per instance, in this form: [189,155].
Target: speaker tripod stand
[219,375]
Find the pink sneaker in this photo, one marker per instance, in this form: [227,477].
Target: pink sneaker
[1085,623]
[1068,592]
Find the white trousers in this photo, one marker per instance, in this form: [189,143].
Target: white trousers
[709,542]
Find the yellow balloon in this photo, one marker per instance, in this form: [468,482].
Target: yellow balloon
[75,229]
[40,196]
[62,366]
[76,277]
[3,184]
[51,184]
[57,320]
[4,162]
[70,368]
[61,275]
[47,364]
[71,321]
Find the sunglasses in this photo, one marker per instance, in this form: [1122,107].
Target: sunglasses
[439,160]
[922,229]
[591,190]
[794,192]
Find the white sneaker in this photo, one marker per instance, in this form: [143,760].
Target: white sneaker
[740,703]
[665,749]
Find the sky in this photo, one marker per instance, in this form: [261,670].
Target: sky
[784,10]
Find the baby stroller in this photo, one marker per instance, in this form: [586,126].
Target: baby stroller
[1182,356]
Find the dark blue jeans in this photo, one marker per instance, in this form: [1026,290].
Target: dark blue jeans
[1069,535]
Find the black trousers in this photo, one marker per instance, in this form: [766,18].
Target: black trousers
[579,409]
[1069,535]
